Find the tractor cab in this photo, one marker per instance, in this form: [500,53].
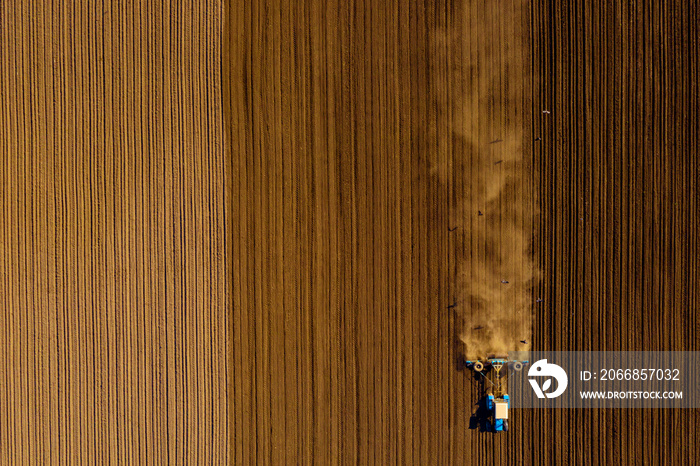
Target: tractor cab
[499,412]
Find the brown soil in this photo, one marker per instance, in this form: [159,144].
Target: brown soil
[113,323]
[359,135]
[225,227]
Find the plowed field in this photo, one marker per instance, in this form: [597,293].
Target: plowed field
[113,315]
[264,231]
[363,132]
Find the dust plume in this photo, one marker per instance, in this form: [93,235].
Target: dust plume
[495,268]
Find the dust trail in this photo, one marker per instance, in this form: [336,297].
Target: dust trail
[495,270]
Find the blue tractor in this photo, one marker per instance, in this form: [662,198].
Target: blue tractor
[497,400]
[499,409]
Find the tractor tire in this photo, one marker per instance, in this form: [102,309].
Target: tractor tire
[517,366]
[478,366]
[505,426]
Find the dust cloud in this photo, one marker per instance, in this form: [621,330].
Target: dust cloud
[494,205]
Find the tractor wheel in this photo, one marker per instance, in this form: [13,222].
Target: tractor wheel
[517,366]
[505,425]
[478,366]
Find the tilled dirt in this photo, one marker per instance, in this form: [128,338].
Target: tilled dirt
[247,232]
[113,314]
[359,134]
